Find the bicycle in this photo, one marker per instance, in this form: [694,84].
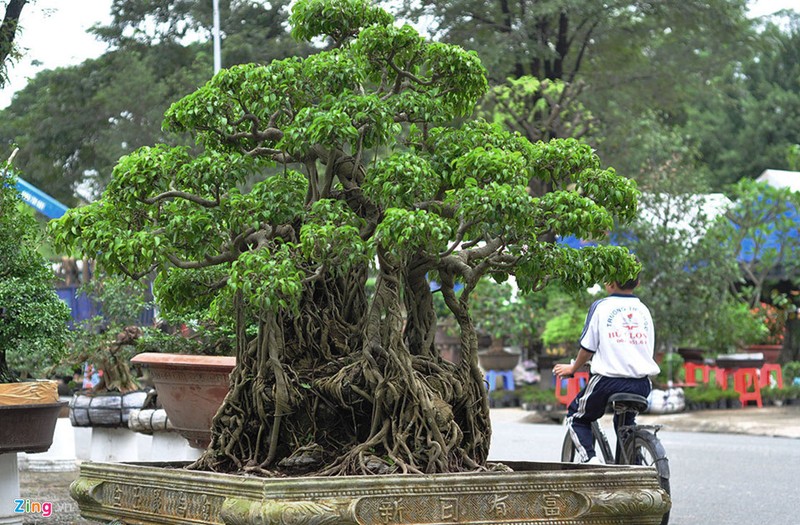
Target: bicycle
[636,444]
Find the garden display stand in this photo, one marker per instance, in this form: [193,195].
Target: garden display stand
[106,413]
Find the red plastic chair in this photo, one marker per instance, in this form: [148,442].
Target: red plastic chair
[766,370]
[721,377]
[743,380]
[574,385]
[690,373]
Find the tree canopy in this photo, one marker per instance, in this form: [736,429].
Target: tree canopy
[72,124]
[372,175]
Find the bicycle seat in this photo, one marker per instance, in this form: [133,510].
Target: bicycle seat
[626,401]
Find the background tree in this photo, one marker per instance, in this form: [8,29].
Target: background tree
[33,320]
[329,379]
[750,117]
[618,59]
[686,275]
[760,231]
[73,124]
[8,33]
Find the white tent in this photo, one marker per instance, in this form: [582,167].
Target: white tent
[781,179]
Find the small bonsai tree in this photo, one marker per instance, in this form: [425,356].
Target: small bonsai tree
[371,173]
[33,320]
[108,341]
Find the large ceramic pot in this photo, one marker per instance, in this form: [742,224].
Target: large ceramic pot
[28,428]
[498,359]
[190,388]
[562,493]
[28,414]
[692,355]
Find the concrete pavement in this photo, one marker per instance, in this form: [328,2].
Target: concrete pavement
[768,421]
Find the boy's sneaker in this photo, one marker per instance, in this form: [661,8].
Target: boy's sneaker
[594,460]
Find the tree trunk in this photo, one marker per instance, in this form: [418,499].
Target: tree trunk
[791,340]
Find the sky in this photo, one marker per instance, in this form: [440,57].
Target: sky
[54,35]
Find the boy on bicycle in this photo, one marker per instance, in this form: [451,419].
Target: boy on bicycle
[619,338]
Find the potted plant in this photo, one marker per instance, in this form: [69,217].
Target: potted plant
[33,329]
[33,326]
[334,381]
[774,319]
[105,344]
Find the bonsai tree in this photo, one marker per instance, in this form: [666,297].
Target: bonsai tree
[108,341]
[33,320]
[308,173]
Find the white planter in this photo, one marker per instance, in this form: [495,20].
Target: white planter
[9,489]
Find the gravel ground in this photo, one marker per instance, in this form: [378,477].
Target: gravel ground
[52,487]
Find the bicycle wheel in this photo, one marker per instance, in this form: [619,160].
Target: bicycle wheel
[569,453]
[648,451]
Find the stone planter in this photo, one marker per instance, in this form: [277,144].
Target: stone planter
[190,388]
[156,494]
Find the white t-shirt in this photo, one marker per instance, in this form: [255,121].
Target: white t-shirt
[619,331]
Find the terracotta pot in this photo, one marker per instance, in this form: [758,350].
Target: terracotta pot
[28,428]
[771,352]
[190,388]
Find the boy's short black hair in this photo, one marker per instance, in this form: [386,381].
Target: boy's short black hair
[630,284]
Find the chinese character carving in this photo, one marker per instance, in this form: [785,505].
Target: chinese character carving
[391,511]
[551,507]
[499,506]
[449,509]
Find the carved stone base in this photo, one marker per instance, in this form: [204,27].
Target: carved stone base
[553,493]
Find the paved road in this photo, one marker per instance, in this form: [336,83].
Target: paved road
[719,479]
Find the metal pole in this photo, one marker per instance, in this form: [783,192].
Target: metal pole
[217,45]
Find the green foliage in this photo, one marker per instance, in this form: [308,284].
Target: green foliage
[734,327]
[33,320]
[537,395]
[790,371]
[107,107]
[709,395]
[500,313]
[564,328]
[313,18]
[671,369]
[748,120]
[538,109]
